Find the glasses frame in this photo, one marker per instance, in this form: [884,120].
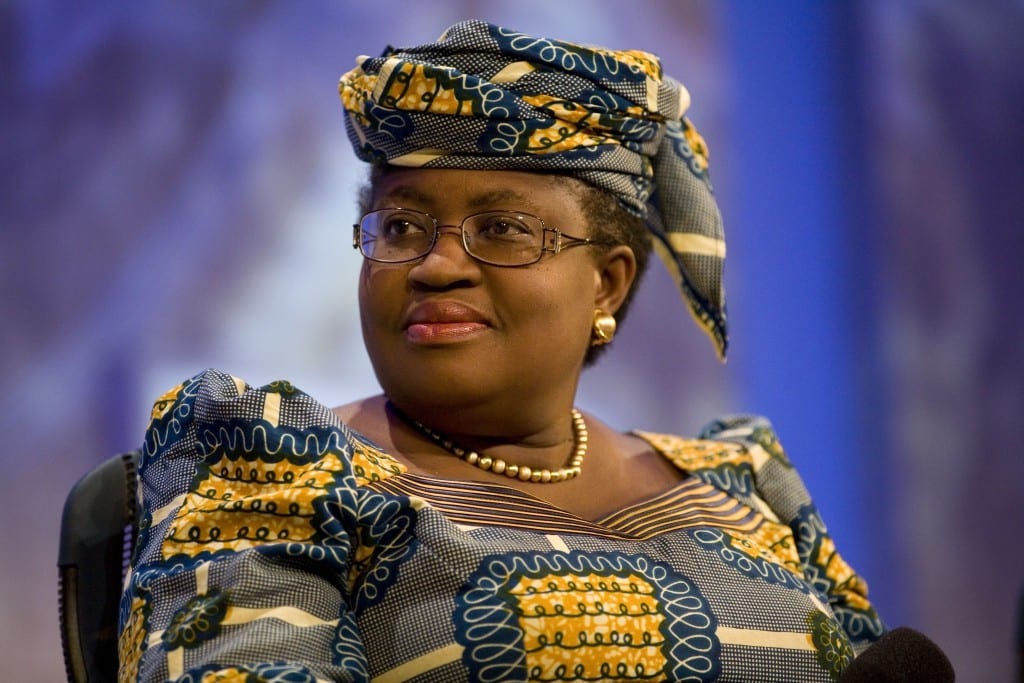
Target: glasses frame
[558,241]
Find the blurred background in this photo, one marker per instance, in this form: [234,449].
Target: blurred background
[178,191]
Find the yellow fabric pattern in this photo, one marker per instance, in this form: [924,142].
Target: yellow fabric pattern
[298,550]
[130,642]
[697,454]
[370,464]
[240,504]
[848,583]
[578,623]
[164,403]
[771,541]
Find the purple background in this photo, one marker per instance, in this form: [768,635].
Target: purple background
[177,191]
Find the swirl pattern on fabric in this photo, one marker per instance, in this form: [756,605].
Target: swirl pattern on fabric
[387,574]
[485,97]
[565,617]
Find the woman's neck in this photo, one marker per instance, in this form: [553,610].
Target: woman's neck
[524,438]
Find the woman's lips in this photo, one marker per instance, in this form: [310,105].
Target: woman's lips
[425,333]
[443,321]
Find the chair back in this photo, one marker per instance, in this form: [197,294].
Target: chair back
[97,538]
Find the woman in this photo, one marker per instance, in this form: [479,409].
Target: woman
[470,523]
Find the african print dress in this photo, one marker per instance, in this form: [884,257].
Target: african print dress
[277,545]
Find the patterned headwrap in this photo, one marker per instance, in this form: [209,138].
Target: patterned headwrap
[485,97]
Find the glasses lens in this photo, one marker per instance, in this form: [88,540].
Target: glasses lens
[394,235]
[504,238]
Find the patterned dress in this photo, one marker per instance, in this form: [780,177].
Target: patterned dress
[278,545]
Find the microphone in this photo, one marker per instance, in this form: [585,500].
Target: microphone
[902,655]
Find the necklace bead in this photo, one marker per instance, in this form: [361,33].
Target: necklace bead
[499,466]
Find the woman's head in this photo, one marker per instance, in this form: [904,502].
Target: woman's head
[606,222]
[487,98]
[509,335]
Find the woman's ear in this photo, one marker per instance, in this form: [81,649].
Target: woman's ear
[616,270]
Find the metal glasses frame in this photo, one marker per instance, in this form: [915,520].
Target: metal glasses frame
[558,240]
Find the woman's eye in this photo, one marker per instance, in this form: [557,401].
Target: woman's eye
[505,226]
[397,226]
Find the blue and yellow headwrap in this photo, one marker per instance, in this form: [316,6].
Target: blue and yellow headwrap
[485,97]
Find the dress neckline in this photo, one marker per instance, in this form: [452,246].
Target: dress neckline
[689,502]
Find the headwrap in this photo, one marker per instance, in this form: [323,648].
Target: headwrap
[485,97]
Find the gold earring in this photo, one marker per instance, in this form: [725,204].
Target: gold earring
[603,329]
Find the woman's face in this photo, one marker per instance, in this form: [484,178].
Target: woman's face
[448,332]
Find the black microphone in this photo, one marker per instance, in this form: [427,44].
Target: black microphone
[902,655]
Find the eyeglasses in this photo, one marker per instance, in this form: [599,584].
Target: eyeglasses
[498,238]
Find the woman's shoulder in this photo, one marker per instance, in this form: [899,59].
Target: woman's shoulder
[734,440]
[217,411]
[739,454]
[216,397]
[212,395]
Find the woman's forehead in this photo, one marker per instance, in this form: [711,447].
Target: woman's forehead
[472,189]
[469,196]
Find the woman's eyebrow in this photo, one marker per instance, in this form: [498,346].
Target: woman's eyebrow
[500,198]
[505,199]
[406,192]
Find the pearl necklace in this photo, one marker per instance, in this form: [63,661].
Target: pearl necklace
[498,466]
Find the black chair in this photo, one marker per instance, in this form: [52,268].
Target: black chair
[97,538]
